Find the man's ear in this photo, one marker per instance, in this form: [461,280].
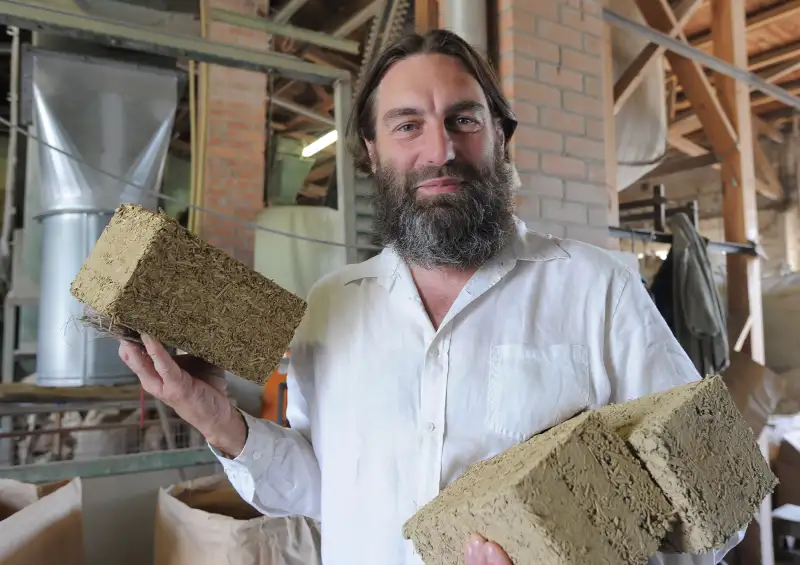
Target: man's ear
[373,160]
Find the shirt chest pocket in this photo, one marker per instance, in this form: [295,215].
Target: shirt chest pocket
[534,388]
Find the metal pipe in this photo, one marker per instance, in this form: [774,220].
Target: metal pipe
[359,19]
[23,408]
[300,34]
[11,161]
[660,237]
[468,19]
[713,63]
[345,167]
[6,423]
[96,428]
[303,111]
[110,466]
[125,35]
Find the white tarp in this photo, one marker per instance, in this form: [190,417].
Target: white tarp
[293,263]
[642,121]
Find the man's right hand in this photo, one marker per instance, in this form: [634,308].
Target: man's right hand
[191,387]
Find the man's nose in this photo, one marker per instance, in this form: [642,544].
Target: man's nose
[439,147]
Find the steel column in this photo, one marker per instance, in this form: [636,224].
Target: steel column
[468,19]
[345,167]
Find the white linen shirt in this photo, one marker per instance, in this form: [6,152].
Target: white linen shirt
[386,410]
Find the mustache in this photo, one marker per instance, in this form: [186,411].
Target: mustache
[461,172]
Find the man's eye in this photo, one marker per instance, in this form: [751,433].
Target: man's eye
[406,128]
[464,121]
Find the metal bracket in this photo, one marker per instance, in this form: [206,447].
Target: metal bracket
[41,16]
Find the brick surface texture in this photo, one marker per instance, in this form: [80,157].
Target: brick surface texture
[551,69]
[234,167]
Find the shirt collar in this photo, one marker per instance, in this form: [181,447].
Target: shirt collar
[525,245]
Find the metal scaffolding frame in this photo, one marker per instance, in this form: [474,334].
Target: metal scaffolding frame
[50,15]
[110,466]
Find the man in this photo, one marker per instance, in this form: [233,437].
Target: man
[467,335]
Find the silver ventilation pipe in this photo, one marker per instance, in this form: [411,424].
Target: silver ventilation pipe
[115,117]
[468,18]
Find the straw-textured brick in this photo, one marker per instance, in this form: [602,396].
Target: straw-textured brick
[570,496]
[703,455]
[149,274]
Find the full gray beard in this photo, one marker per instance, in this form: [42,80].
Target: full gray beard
[463,229]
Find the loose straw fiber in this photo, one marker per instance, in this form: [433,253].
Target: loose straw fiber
[147,274]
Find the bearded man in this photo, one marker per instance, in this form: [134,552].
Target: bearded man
[468,334]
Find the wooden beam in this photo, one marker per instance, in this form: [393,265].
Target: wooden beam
[760,99]
[771,57]
[633,75]
[691,123]
[426,15]
[775,56]
[695,84]
[781,70]
[739,205]
[770,184]
[764,185]
[756,21]
[681,165]
[771,75]
[685,146]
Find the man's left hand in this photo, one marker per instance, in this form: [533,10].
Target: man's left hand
[479,551]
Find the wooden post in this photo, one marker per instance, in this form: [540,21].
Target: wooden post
[738,175]
[739,207]
[426,15]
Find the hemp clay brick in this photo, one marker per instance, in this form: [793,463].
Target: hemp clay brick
[147,274]
[570,496]
[703,455]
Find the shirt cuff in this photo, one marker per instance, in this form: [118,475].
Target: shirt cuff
[253,461]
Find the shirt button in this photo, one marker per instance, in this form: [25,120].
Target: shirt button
[257,455]
[430,426]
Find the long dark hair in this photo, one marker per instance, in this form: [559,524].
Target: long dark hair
[440,41]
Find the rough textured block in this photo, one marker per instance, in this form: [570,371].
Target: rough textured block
[570,496]
[150,275]
[703,455]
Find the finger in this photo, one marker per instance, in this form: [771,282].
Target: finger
[495,554]
[473,552]
[140,363]
[163,362]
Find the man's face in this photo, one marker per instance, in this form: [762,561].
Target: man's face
[444,190]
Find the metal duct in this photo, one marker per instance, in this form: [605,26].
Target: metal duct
[116,117]
[468,19]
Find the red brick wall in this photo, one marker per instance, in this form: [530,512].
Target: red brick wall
[234,164]
[551,66]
